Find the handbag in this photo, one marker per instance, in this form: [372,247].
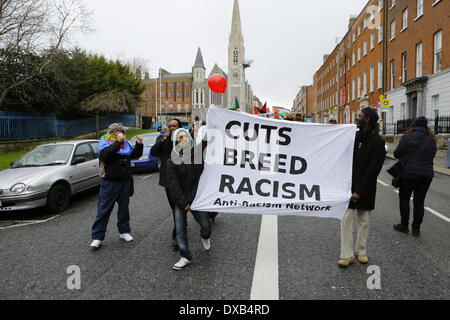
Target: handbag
[397,168]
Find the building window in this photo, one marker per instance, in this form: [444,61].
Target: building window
[364,90]
[419,8]
[365,48]
[372,78]
[403,111]
[372,40]
[359,54]
[404,66]
[435,105]
[392,3]
[235,57]
[392,30]
[175,91]
[182,91]
[419,59]
[380,33]
[353,59]
[380,74]
[353,90]
[405,19]
[380,5]
[437,51]
[392,74]
[359,86]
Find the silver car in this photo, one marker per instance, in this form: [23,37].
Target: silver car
[49,175]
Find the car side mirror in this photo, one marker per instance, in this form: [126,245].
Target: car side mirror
[78,160]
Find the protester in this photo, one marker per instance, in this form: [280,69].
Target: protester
[368,159]
[184,170]
[162,149]
[417,150]
[115,153]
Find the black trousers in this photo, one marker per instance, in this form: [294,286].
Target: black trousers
[418,186]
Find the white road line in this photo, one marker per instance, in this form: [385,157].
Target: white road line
[396,191]
[265,276]
[383,183]
[437,214]
[31,222]
[146,177]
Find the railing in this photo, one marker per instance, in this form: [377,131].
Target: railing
[23,126]
[440,124]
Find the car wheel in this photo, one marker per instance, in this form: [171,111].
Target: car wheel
[58,198]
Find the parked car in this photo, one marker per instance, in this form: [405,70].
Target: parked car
[147,162]
[49,175]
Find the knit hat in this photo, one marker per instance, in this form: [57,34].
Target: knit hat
[420,122]
[372,114]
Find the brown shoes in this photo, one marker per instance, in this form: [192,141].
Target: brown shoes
[363,259]
[344,263]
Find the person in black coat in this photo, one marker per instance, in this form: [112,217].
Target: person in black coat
[163,149]
[368,159]
[417,149]
[184,170]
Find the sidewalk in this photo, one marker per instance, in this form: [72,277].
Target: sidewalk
[440,162]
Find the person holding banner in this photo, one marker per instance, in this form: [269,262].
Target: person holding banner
[183,172]
[162,149]
[368,159]
[115,153]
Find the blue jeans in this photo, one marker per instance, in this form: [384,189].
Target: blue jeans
[110,193]
[181,227]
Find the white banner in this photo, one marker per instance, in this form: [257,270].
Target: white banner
[266,166]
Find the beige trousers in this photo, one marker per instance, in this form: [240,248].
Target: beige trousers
[347,248]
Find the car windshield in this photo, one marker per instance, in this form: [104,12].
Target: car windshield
[42,156]
[148,140]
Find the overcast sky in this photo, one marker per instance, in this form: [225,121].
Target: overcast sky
[285,38]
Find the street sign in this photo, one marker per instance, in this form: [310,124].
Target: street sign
[385,104]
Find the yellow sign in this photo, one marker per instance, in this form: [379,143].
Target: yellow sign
[385,104]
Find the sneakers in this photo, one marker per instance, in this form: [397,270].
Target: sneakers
[344,263]
[127,237]
[416,232]
[181,264]
[96,244]
[206,244]
[401,228]
[363,259]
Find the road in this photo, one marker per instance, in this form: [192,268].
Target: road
[36,249]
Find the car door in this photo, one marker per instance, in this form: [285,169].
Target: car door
[84,174]
[96,178]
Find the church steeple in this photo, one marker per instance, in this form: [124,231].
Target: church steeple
[236,27]
[199,60]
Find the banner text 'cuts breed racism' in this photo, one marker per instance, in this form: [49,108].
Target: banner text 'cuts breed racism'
[266,166]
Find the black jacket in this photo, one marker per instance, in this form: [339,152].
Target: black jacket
[162,149]
[418,150]
[368,159]
[183,178]
[117,167]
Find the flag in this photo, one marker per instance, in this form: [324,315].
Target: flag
[126,149]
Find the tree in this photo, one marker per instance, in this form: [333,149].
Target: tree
[110,101]
[29,28]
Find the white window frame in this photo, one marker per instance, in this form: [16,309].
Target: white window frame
[437,56]
[372,78]
[393,27]
[420,9]
[380,74]
[405,17]
[419,59]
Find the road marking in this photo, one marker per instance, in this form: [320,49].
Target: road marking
[383,183]
[265,276]
[396,191]
[28,223]
[437,214]
[146,177]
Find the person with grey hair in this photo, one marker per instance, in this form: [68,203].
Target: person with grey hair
[115,153]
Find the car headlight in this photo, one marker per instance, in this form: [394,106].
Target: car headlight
[18,188]
[144,157]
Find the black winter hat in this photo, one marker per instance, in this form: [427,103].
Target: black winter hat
[420,122]
[372,114]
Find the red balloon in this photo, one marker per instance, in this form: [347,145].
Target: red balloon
[217,83]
